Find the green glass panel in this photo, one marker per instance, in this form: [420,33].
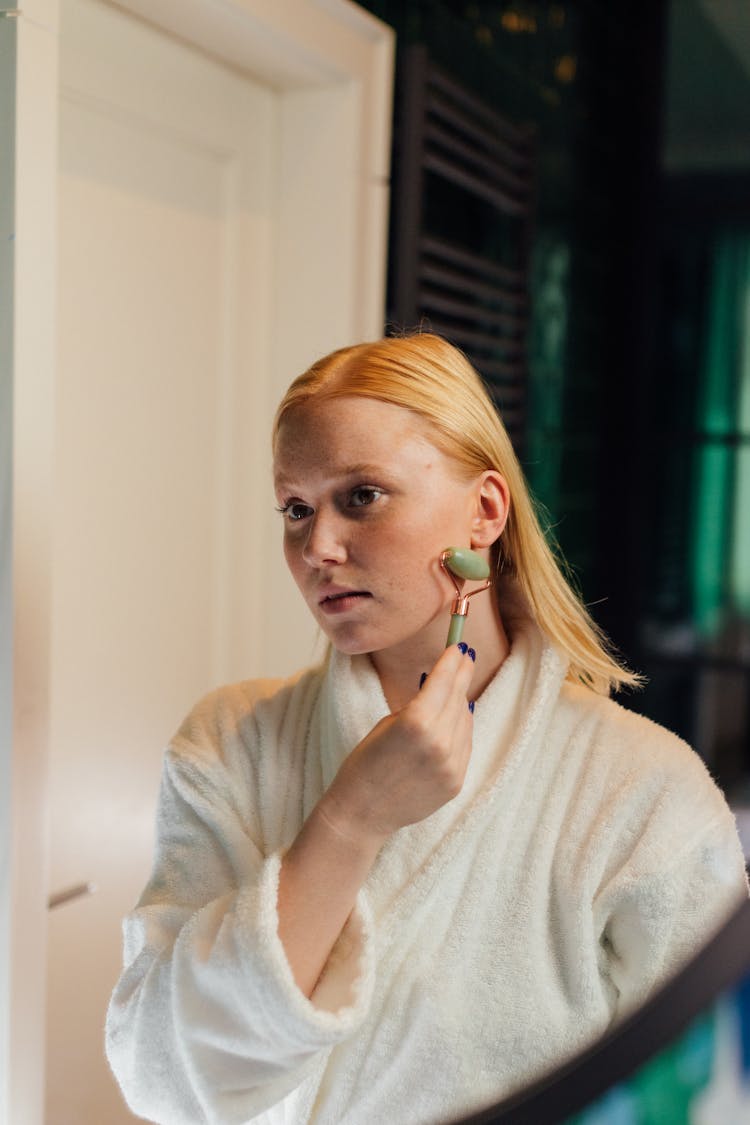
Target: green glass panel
[721,513]
[710,535]
[740,564]
[740,569]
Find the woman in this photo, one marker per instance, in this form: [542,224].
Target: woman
[375,901]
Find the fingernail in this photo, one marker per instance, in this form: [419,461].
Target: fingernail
[472,654]
[422,679]
[471,706]
[463,647]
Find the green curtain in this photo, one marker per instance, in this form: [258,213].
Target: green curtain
[720,564]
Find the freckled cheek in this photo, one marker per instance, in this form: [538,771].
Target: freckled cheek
[411,572]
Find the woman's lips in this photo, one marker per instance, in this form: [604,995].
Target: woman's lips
[343,601]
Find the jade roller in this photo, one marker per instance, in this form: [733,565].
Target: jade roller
[461,565]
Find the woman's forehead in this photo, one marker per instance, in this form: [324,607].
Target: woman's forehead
[350,418]
[347,433]
[356,407]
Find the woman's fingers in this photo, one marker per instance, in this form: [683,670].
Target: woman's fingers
[437,720]
[446,688]
[450,674]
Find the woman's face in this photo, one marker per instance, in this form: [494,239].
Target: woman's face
[368,506]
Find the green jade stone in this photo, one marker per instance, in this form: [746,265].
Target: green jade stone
[456,630]
[465,563]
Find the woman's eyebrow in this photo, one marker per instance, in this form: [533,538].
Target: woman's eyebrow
[363,470]
[344,473]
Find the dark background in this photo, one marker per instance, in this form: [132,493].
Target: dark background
[637,431]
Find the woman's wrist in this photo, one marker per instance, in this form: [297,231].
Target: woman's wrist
[320,877]
[344,819]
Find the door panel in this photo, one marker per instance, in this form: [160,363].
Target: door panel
[166,237]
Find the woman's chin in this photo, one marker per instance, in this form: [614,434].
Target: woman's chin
[410,647]
[358,642]
[352,646]
[355,638]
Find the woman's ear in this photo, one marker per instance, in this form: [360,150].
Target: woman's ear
[492,505]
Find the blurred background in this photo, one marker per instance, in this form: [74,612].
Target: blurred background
[562,189]
[571,205]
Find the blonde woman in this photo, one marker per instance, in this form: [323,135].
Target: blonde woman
[380,896]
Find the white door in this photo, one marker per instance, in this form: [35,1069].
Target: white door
[219,216]
[165,232]
[166,228]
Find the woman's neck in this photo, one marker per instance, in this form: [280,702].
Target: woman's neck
[400,668]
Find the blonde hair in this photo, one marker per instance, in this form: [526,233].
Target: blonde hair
[433,379]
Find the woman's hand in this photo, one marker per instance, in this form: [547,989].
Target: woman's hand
[411,763]
[407,767]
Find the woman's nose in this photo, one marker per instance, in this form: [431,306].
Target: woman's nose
[324,542]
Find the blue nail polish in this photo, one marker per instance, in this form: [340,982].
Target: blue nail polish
[463,647]
[472,654]
[471,706]
[422,679]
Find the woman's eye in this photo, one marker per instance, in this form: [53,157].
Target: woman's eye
[295,510]
[360,497]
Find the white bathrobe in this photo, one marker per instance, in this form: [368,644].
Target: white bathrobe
[588,854]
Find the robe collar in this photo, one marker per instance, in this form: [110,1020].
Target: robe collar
[528,680]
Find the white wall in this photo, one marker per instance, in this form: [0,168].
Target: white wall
[7,214]
[27,542]
[327,68]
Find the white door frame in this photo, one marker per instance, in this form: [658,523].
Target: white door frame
[331,64]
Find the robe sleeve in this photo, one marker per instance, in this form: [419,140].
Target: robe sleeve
[206,1023]
[683,879]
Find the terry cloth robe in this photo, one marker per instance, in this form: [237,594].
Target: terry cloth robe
[588,855]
